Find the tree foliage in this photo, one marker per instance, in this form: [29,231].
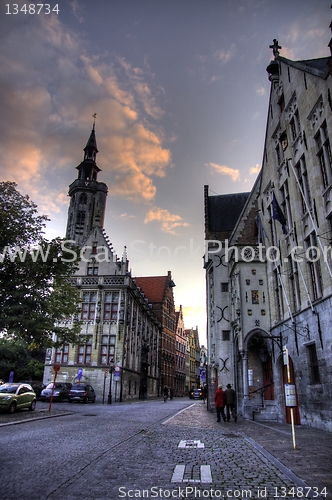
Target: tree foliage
[37,302]
[15,357]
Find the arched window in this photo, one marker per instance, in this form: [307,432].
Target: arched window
[83,199]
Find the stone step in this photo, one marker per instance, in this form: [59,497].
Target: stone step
[266,413]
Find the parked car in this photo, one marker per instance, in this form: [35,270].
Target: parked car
[82,392]
[61,391]
[15,396]
[196,394]
[37,386]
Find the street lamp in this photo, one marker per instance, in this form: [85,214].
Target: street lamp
[111,370]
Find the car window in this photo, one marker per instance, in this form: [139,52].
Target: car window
[11,389]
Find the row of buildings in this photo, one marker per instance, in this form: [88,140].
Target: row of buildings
[133,341]
[269,267]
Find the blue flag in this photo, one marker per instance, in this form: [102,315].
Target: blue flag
[277,214]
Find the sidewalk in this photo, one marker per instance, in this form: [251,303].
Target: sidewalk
[311,461]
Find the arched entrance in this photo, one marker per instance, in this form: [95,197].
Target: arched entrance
[260,372]
[258,379]
[296,411]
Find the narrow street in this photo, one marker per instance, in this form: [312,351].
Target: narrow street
[155,450]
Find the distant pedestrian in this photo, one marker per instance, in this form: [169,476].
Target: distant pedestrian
[144,392]
[165,392]
[205,392]
[171,393]
[219,399]
[230,401]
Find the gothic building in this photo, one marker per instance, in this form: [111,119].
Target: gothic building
[180,355]
[120,335]
[269,279]
[159,290]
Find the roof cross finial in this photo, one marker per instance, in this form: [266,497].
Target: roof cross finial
[275,47]
[94,116]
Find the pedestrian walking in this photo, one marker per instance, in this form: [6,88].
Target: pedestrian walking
[165,392]
[219,399]
[230,401]
[171,393]
[205,389]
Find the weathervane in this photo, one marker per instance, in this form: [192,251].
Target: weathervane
[94,116]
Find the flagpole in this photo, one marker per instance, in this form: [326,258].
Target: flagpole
[280,279]
[309,213]
[302,276]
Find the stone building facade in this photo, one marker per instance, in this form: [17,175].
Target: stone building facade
[180,355]
[119,351]
[159,290]
[193,359]
[277,281]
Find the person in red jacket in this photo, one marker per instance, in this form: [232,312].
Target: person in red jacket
[219,399]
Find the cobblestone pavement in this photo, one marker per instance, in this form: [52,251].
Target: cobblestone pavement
[190,455]
[311,460]
[231,464]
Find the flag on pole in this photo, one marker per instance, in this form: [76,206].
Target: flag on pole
[261,230]
[277,214]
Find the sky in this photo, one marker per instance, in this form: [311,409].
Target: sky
[180,90]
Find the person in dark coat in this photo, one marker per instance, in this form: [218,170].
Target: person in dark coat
[230,401]
[219,399]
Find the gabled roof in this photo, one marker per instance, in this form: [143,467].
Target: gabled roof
[222,211]
[153,287]
[318,67]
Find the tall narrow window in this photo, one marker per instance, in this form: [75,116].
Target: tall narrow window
[80,220]
[302,175]
[314,266]
[61,354]
[84,352]
[324,154]
[89,305]
[107,354]
[313,364]
[111,304]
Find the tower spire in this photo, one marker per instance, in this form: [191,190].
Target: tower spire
[88,195]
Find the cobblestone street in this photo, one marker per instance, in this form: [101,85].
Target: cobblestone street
[216,460]
[185,455]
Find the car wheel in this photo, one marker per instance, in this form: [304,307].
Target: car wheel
[32,406]
[12,408]
[94,400]
[69,401]
[86,400]
[60,399]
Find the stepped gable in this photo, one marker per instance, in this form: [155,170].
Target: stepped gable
[153,287]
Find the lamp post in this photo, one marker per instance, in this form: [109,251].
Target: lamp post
[111,370]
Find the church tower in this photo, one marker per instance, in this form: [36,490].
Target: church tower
[88,196]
